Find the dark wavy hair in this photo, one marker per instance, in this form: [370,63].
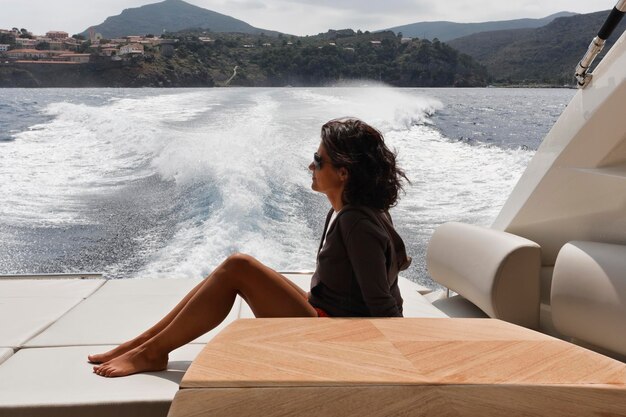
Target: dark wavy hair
[374,179]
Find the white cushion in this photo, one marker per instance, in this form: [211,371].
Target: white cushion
[121,310]
[589,294]
[496,271]
[46,288]
[27,307]
[148,287]
[60,382]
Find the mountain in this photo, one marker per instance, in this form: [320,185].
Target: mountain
[171,16]
[543,55]
[444,31]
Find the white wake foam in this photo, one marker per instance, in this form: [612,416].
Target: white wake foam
[243,156]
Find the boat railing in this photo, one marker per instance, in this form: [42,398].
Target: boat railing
[582,74]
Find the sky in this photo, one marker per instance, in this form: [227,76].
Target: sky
[296,17]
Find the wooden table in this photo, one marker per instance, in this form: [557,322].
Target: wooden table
[396,367]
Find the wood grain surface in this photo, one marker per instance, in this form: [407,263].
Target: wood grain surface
[396,366]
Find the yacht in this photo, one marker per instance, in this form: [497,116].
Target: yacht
[532,320]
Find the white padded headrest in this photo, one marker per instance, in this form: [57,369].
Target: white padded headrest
[497,271]
[589,294]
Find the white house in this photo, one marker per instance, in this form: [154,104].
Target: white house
[131,48]
[27,53]
[26,43]
[4,47]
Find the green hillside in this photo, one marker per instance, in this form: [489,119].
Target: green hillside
[444,31]
[545,55]
[260,60]
[171,16]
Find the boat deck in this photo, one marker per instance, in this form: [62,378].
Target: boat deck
[48,326]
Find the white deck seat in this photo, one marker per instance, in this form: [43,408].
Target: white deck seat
[49,376]
[589,293]
[59,382]
[5,353]
[415,305]
[497,271]
[28,306]
[119,311]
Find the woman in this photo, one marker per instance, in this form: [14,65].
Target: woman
[357,266]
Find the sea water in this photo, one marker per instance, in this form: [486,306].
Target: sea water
[160,183]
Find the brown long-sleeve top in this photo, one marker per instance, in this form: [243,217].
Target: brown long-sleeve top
[358,265]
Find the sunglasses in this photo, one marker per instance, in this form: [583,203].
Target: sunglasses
[317,161]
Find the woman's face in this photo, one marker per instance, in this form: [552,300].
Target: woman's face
[326,178]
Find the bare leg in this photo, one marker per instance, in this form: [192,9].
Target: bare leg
[268,293]
[148,334]
[162,324]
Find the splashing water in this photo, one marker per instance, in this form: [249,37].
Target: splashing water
[167,183]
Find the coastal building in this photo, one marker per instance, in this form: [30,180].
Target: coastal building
[205,39]
[54,34]
[26,42]
[7,32]
[109,51]
[4,47]
[109,45]
[375,43]
[78,58]
[132,49]
[406,40]
[71,44]
[134,39]
[27,54]
[53,43]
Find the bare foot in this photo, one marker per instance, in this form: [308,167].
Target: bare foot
[118,351]
[137,360]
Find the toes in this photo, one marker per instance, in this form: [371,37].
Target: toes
[101,370]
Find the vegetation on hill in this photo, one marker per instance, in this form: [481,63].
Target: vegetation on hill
[267,61]
[172,16]
[445,31]
[546,55]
